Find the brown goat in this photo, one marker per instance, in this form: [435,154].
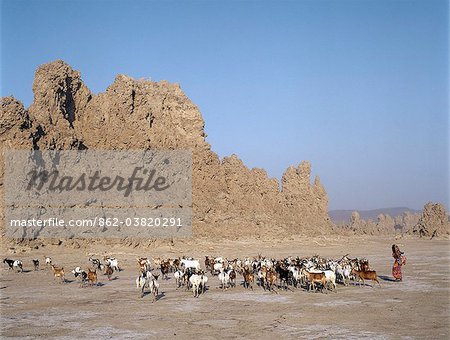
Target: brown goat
[209,264]
[271,279]
[109,271]
[92,276]
[176,264]
[165,267]
[249,278]
[316,278]
[366,275]
[58,273]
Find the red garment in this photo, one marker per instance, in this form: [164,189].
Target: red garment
[397,268]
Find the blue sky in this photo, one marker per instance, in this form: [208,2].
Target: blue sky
[358,88]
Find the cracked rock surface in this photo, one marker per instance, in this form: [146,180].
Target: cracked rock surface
[229,199]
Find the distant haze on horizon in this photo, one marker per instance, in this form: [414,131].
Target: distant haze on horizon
[358,88]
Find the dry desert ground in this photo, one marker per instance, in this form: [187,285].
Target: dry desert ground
[34,305]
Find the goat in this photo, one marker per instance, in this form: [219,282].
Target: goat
[92,276]
[190,264]
[232,275]
[109,271]
[176,264]
[224,279]
[143,280]
[154,286]
[96,263]
[187,275]
[271,278]
[316,278]
[249,278]
[343,273]
[303,277]
[284,275]
[113,263]
[209,264]
[203,281]
[330,278]
[148,280]
[48,261]
[262,276]
[144,264]
[295,274]
[14,264]
[9,262]
[218,267]
[178,275]
[366,275]
[165,267]
[36,264]
[18,265]
[80,274]
[77,271]
[58,273]
[197,281]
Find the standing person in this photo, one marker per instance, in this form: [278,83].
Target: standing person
[400,260]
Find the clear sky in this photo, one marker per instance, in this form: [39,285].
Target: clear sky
[358,88]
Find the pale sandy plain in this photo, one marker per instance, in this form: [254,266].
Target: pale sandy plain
[34,305]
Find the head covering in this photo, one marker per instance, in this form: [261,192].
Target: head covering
[396,251]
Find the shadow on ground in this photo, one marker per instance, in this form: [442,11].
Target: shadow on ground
[386,278]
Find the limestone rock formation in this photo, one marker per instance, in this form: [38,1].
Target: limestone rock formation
[385,224]
[409,220]
[433,221]
[229,199]
[358,225]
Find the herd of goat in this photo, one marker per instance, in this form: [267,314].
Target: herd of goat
[312,273]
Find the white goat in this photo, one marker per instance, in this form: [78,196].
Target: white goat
[330,278]
[178,275]
[77,270]
[81,274]
[143,279]
[48,260]
[224,278]
[154,286]
[344,273]
[218,267]
[296,275]
[148,280]
[113,263]
[18,265]
[190,264]
[198,281]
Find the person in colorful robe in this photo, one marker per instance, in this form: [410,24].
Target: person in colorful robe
[400,260]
